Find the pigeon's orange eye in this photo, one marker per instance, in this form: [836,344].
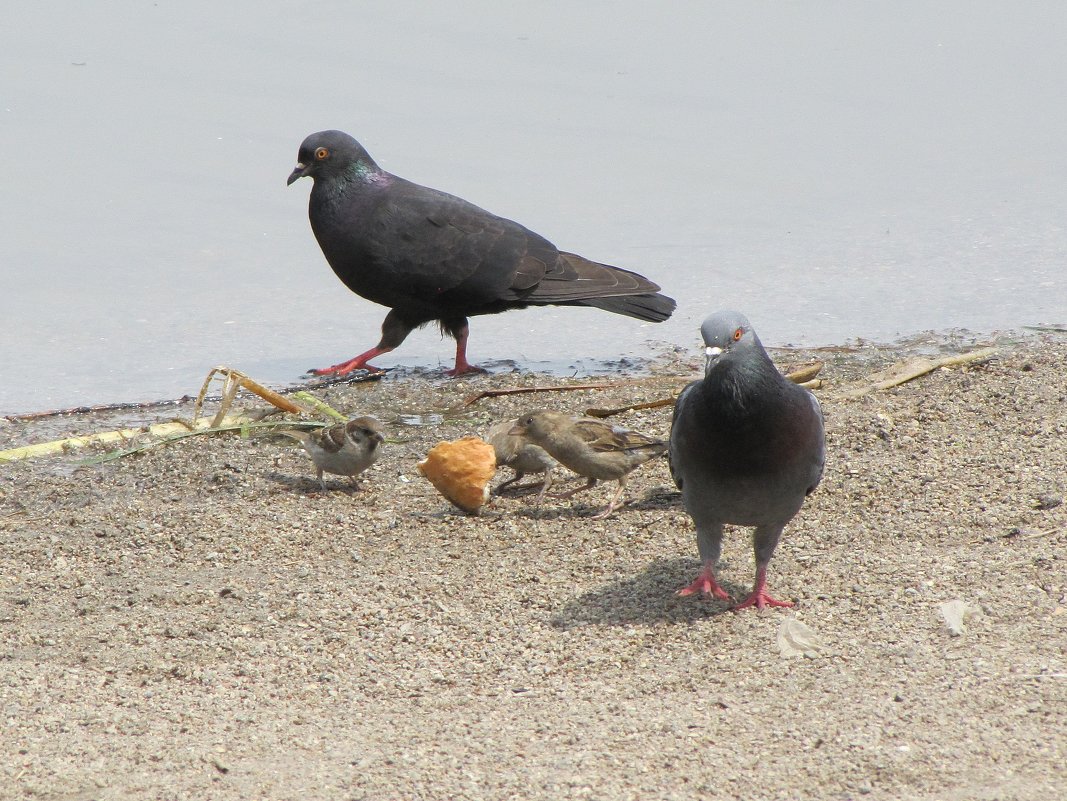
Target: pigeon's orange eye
[740,332]
[321,153]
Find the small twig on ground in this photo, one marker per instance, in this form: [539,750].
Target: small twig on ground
[1015,535]
[632,407]
[319,405]
[494,393]
[233,423]
[905,371]
[1039,534]
[803,375]
[234,380]
[102,407]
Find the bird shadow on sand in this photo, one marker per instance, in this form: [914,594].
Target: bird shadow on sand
[305,485]
[649,597]
[656,500]
[525,490]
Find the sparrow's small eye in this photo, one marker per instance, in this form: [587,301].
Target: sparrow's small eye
[740,332]
[321,153]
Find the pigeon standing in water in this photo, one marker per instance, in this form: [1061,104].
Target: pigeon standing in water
[591,448]
[430,256]
[746,448]
[346,449]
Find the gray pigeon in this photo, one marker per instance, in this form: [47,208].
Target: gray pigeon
[430,256]
[746,448]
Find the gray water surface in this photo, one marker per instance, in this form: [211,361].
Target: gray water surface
[833,170]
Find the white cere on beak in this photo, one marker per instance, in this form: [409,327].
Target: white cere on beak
[712,352]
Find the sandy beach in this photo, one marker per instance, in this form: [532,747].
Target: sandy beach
[200,620]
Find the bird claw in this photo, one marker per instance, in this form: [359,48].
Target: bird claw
[465,369]
[705,585]
[760,599]
[605,513]
[344,368]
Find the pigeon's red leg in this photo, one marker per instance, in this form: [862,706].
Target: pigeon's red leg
[462,365]
[759,597]
[705,584]
[360,362]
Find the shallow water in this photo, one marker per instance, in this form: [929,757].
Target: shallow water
[833,171]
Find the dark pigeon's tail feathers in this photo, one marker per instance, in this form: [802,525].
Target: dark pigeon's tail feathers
[576,281]
[654,308]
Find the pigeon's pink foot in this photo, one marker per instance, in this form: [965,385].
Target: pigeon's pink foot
[344,368]
[705,584]
[760,599]
[361,362]
[463,367]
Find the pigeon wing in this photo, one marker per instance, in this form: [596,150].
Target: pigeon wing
[430,244]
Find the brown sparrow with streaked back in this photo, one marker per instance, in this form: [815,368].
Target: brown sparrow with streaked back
[345,449]
[591,448]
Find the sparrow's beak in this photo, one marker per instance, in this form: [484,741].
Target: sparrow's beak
[516,431]
[299,172]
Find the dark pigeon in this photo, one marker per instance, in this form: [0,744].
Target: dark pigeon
[430,256]
[746,448]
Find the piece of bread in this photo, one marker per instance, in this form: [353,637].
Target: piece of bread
[461,471]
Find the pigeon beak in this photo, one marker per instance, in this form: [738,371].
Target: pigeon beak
[299,172]
[712,353]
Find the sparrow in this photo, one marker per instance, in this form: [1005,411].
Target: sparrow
[345,449]
[521,455]
[591,448]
